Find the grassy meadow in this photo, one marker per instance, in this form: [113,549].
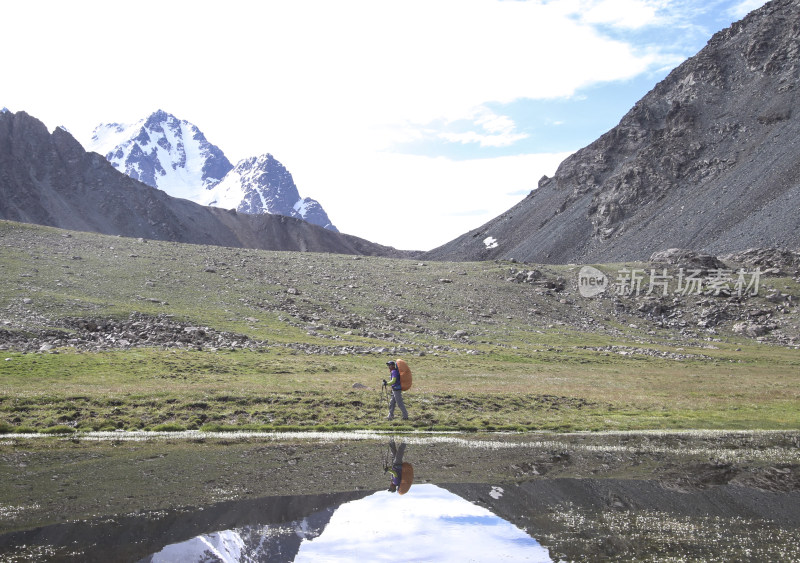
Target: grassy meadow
[487,353]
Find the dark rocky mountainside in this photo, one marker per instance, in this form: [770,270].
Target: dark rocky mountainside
[49,179]
[708,160]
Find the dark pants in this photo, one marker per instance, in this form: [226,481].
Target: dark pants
[397,455]
[397,399]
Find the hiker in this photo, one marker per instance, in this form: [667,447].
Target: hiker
[397,392]
[396,470]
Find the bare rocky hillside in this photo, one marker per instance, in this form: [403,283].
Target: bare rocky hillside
[707,160]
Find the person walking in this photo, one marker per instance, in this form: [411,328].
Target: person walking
[397,391]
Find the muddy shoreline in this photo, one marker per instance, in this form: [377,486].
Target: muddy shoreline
[61,479]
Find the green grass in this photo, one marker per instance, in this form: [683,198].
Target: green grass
[272,390]
[528,362]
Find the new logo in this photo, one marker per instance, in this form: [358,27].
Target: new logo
[591,281]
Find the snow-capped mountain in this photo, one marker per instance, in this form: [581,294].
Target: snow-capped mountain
[174,156]
[263,185]
[163,152]
[253,544]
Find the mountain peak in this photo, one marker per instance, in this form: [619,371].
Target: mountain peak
[173,155]
[263,185]
[163,152]
[160,116]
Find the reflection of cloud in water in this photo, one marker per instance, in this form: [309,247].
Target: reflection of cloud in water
[427,524]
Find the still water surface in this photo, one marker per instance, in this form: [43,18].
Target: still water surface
[429,523]
[708,496]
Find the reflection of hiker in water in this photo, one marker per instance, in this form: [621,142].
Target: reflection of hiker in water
[396,471]
[397,393]
[402,472]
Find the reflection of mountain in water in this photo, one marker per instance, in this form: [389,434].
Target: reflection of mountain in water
[540,520]
[431,524]
[252,543]
[266,529]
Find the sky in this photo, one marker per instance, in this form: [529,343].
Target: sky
[410,121]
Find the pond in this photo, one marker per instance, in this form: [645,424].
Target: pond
[710,496]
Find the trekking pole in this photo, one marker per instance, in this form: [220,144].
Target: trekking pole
[386,459]
[382,393]
[386,392]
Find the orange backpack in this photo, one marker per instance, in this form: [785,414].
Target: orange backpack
[405,375]
[406,478]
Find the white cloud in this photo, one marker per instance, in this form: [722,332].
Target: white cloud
[427,524]
[482,139]
[494,130]
[290,66]
[741,9]
[626,14]
[493,123]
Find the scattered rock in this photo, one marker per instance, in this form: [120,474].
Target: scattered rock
[138,330]
[753,330]
[772,259]
[687,259]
